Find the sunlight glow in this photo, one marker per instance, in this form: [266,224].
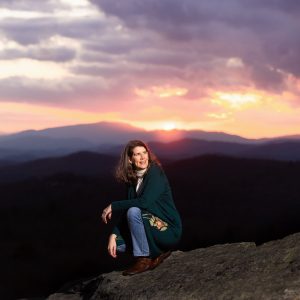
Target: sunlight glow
[21,67]
[64,8]
[20,14]
[235,100]
[234,62]
[161,92]
[221,116]
[169,126]
[76,2]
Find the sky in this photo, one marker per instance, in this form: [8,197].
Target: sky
[230,66]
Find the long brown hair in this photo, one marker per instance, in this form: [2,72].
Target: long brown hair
[125,171]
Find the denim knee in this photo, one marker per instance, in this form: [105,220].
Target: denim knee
[134,213]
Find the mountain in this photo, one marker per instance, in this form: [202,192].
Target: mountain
[80,163]
[97,133]
[285,137]
[118,133]
[187,148]
[25,148]
[109,138]
[32,144]
[279,149]
[174,135]
[101,137]
[104,160]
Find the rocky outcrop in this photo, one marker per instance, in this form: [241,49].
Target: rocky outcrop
[227,271]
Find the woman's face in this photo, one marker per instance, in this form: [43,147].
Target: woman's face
[140,158]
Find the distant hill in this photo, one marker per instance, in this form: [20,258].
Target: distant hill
[81,163]
[98,133]
[96,163]
[279,150]
[100,137]
[276,150]
[285,138]
[117,133]
[191,147]
[109,138]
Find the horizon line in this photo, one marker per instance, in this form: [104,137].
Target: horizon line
[3,133]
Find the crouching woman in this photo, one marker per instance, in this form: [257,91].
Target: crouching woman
[149,223]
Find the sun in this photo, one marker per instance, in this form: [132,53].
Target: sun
[167,126]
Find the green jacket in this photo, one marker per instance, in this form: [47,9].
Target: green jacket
[161,219]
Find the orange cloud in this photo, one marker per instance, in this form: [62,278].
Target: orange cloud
[161,92]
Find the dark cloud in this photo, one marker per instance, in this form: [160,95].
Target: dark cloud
[264,34]
[97,57]
[147,74]
[163,58]
[29,5]
[156,42]
[58,54]
[32,31]
[267,79]
[80,93]
[100,71]
[177,14]
[112,46]
[26,32]
[21,89]
[289,6]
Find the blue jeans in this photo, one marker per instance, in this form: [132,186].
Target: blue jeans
[138,234]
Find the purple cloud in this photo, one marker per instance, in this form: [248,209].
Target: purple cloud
[264,30]
[57,54]
[29,5]
[32,31]
[83,94]
[141,44]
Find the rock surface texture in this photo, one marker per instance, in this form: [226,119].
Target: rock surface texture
[227,271]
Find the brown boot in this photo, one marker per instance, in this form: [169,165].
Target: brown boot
[142,264]
[158,260]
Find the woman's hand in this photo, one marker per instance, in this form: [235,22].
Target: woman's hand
[106,214]
[112,245]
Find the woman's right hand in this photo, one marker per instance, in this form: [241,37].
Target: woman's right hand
[106,214]
[112,245]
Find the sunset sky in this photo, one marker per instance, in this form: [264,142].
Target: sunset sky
[231,66]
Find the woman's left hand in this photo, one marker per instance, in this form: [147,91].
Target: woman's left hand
[106,214]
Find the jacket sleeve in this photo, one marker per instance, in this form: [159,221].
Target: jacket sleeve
[154,187]
[116,231]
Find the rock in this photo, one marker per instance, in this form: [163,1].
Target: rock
[227,271]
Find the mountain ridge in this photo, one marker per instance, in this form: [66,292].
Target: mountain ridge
[87,162]
[106,137]
[114,127]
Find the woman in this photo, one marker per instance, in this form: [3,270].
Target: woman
[149,223]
